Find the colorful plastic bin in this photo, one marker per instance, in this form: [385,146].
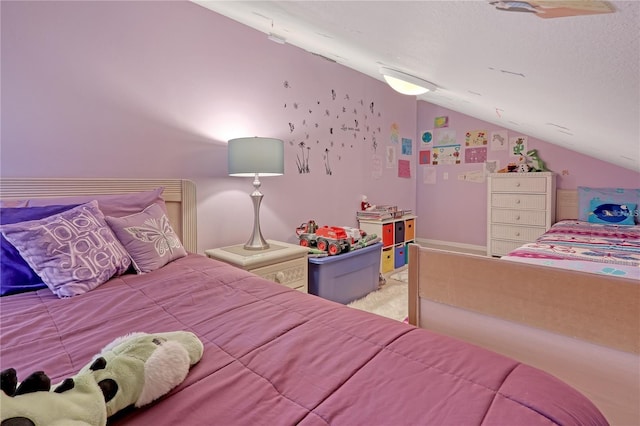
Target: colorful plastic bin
[399,256]
[346,277]
[387,260]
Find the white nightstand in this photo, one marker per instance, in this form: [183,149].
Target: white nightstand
[282,263]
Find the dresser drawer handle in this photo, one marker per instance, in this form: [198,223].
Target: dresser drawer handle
[518,201]
[518,184]
[517,217]
[280,277]
[517,234]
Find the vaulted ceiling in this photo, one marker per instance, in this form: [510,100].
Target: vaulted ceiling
[573,81]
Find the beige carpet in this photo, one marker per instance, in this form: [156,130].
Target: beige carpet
[402,276]
[390,301]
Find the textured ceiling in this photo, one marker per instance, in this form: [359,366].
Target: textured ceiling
[572,81]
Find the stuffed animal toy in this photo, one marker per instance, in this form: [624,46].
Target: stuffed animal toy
[522,167]
[132,370]
[535,162]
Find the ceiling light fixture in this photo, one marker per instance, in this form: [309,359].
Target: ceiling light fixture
[405,83]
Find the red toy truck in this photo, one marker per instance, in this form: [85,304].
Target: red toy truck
[332,239]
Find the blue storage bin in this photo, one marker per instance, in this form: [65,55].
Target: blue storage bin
[346,277]
[399,256]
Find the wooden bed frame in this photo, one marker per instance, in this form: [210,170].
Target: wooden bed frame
[583,328]
[179,196]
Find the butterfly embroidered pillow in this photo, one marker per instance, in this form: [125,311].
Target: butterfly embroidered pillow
[148,238]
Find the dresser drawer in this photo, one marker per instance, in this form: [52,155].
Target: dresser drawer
[520,184]
[519,217]
[516,233]
[292,273]
[500,248]
[519,201]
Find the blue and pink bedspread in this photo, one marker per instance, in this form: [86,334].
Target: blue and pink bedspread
[584,246]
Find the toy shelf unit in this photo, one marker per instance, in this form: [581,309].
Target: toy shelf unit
[396,234]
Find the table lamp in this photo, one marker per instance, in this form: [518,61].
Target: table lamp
[256,157]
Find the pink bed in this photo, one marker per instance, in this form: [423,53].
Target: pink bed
[590,247]
[272,355]
[276,356]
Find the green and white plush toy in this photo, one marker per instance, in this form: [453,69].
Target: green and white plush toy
[132,370]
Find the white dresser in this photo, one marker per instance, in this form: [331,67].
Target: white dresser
[521,207]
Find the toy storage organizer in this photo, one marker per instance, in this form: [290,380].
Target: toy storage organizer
[396,234]
[345,277]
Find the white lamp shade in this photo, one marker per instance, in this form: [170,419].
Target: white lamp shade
[251,156]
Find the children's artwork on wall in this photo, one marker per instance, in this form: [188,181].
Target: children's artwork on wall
[327,163]
[517,145]
[445,137]
[440,122]
[404,168]
[446,154]
[391,157]
[407,148]
[475,155]
[491,166]
[499,141]
[325,131]
[425,157]
[429,175]
[476,138]
[302,158]
[395,133]
[475,176]
[427,137]
[376,167]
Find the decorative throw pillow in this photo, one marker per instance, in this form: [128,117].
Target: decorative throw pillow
[605,195]
[611,213]
[16,276]
[73,251]
[117,205]
[148,237]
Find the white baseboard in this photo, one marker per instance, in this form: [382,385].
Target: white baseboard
[453,245]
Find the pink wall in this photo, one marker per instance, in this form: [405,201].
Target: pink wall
[455,210]
[155,89]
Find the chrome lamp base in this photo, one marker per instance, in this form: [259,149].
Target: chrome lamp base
[256,241]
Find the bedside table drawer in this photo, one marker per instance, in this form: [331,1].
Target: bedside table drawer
[519,201]
[282,263]
[519,217]
[517,233]
[292,273]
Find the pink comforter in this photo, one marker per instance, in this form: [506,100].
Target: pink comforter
[278,357]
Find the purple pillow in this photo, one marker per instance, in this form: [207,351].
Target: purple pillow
[73,251]
[111,204]
[148,238]
[15,274]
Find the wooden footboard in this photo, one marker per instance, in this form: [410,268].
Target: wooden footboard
[583,328]
[595,308]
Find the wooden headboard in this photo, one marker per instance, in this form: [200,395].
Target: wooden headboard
[179,195]
[566,204]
